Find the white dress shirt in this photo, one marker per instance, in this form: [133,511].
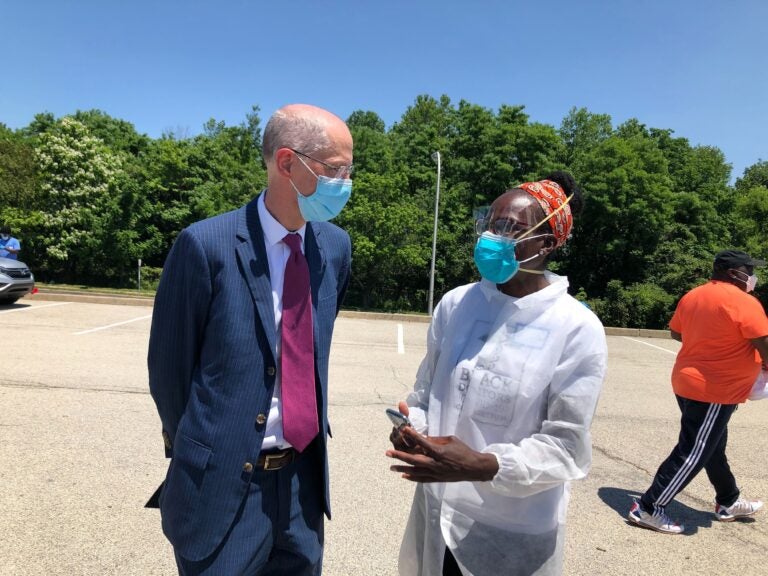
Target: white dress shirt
[277,255]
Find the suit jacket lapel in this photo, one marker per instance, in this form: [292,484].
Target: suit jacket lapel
[252,254]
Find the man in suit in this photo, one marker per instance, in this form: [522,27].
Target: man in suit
[247,484]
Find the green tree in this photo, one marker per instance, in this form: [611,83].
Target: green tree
[639,305]
[117,135]
[91,195]
[701,220]
[373,150]
[750,217]
[185,180]
[581,131]
[627,214]
[424,128]
[755,175]
[17,171]
[40,124]
[389,255]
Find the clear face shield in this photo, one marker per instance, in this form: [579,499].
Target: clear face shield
[514,222]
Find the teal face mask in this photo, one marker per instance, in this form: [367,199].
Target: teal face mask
[329,198]
[495,257]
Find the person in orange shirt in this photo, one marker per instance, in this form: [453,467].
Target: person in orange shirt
[724,331]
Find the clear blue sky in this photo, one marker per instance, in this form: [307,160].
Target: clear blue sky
[697,67]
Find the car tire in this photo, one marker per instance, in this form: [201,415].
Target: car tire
[8,300]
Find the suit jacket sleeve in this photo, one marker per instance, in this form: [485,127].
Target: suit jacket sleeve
[344,273]
[178,323]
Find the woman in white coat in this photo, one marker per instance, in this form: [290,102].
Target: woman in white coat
[503,401]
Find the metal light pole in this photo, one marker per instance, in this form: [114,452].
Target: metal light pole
[436,158]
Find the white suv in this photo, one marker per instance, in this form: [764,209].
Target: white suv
[16,280]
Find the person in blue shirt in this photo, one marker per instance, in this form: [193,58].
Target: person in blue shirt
[9,246]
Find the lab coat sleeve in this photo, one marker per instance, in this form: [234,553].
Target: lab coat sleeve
[418,400]
[562,448]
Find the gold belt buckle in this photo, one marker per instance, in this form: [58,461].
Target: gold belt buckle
[276,458]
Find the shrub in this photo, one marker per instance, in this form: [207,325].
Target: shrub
[636,306]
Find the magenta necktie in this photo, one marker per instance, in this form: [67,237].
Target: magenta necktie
[297,356]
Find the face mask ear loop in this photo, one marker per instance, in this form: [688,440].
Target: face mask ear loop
[738,278]
[313,172]
[547,219]
[308,168]
[528,270]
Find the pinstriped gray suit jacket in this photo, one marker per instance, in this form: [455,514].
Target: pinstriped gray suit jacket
[212,365]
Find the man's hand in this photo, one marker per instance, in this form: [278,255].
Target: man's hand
[761,344]
[442,459]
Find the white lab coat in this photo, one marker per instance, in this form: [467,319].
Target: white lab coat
[519,378]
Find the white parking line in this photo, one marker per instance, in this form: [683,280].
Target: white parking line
[651,345]
[34,307]
[112,325]
[400,343]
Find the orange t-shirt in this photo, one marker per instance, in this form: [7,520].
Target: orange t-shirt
[717,362]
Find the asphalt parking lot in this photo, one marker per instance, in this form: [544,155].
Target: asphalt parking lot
[80,452]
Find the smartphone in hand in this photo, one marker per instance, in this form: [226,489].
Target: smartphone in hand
[398,418]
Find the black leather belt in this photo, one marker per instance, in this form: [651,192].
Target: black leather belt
[276,459]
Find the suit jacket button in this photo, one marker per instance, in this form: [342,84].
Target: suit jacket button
[261,419]
[271,371]
[247,467]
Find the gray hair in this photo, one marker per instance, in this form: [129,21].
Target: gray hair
[305,133]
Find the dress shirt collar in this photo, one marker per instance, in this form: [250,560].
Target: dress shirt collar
[274,232]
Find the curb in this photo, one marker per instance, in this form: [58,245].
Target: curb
[64,296]
[423,318]
[637,332]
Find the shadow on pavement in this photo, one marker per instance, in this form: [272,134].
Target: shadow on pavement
[13,306]
[620,500]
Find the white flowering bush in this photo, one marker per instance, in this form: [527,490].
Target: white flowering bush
[76,172]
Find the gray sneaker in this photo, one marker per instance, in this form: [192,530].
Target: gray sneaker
[658,521]
[739,509]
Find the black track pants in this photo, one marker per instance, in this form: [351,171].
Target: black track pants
[702,442]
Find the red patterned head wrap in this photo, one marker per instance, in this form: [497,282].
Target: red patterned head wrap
[554,202]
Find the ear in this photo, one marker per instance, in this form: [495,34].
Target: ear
[733,273]
[284,161]
[549,245]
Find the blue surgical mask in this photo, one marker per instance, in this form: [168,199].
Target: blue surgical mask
[330,197]
[495,257]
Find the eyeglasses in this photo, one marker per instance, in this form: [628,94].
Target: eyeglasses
[501,227]
[337,171]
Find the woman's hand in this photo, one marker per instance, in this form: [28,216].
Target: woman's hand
[441,459]
[396,437]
